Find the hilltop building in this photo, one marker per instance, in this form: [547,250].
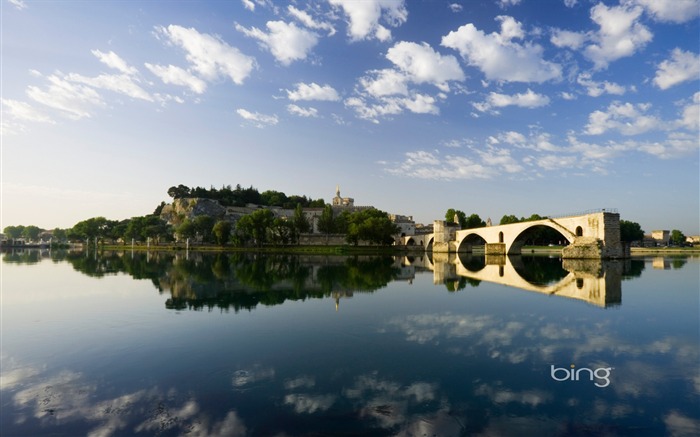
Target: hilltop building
[342,201]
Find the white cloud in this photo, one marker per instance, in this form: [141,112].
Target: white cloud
[424,65]
[500,159]
[455,7]
[570,3]
[308,403]
[529,99]
[24,112]
[681,67]
[252,4]
[499,57]
[690,118]
[286,41]
[365,15]
[566,38]
[174,75]
[385,82]
[313,91]
[568,96]
[19,4]
[373,112]
[676,145]
[387,106]
[211,57]
[512,137]
[620,34]
[421,104]
[257,119]
[307,20]
[675,11]
[595,152]
[73,100]
[302,112]
[386,92]
[503,4]
[597,89]
[113,60]
[119,83]
[626,118]
[479,164]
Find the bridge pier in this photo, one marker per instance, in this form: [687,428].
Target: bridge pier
[495,249]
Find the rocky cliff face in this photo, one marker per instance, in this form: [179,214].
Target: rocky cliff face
[180,209]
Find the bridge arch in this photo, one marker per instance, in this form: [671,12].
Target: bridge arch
[519,239]
[469,240]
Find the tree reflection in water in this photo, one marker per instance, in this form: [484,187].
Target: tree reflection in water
[242,280]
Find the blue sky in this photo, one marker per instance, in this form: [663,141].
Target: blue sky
[493,107]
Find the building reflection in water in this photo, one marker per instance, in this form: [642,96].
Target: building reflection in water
[597,282]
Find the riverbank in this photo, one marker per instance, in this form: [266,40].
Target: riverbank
[665,251]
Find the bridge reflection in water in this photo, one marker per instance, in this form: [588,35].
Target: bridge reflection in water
[597,282]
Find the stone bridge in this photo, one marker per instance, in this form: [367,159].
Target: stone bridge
[592,235]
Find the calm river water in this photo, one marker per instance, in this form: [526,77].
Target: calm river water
[122,344]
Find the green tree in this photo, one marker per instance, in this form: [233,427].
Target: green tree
[630,231]
[203,225]
[677,237]
[92,228]
[186,230]
[13,231]
[159,208]
[273,198]
[326,223]
[318,203]
[32,232]
[222,231]
[508,219]
[179,192]
[156,229]
[59,235]
[301,223]
[342,222]
[254,227]
[282,231]
[371,225]
[461,217]
[474,221]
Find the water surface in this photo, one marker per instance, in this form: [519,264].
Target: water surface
[118,344]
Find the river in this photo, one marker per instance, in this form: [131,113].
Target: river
[170,344]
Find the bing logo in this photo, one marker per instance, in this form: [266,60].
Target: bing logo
[601,375]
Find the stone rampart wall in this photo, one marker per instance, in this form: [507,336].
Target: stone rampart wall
[322,239]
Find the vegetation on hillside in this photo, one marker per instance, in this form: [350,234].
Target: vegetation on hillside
[240,196]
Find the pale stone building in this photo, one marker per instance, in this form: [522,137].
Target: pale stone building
[342,201]
[661,237]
